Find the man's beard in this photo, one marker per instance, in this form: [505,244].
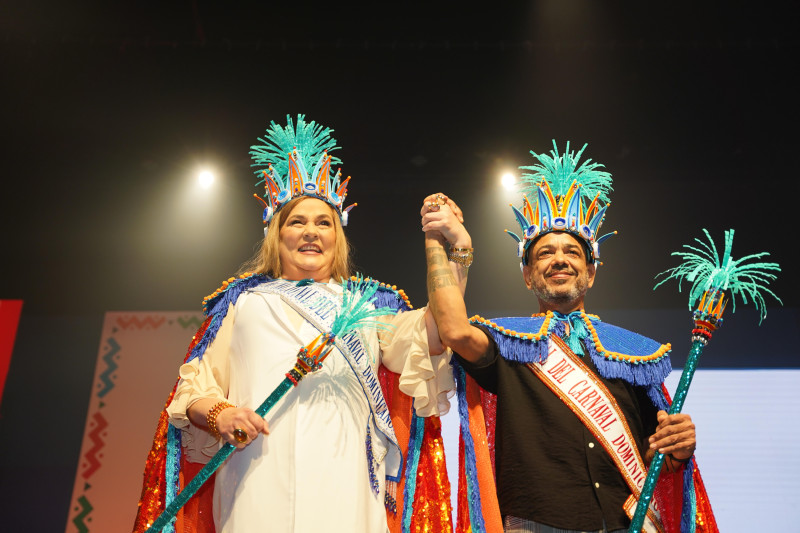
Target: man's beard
[559,295]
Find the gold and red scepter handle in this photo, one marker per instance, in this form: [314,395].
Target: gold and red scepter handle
[707,318]
[309,359]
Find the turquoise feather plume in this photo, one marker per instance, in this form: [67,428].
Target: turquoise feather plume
[706,271]
[357,310]
[561,170]
[309,138]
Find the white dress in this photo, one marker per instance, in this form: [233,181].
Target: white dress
[311,472]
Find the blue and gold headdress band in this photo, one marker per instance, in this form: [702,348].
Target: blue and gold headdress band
[560,188]
[281,161]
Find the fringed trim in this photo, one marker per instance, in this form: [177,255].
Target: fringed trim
[416,434]
[373,479]
[470,466]
[389,296]
[656,394]
[231,289]
[515,346]
[390,496]
[209,334]
[651,374]
[689,510]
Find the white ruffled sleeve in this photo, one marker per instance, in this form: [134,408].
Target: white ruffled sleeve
[202,378]
[427,378]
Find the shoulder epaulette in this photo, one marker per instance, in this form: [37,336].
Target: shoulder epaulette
[619,344]
[518,338]
[230,290]
[388,296]
[624,354]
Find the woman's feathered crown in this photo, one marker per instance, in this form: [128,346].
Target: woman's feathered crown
[561,188]
[281,161]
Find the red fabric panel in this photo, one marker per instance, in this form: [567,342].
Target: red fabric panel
[9,320]
[401,420]
[197,515]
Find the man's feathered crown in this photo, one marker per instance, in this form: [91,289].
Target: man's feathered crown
[561,188]
[281,161]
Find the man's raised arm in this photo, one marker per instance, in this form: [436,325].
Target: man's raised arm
[445,297]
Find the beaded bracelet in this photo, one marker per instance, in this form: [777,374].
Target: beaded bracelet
[673,465]
[681,461]
[211,417]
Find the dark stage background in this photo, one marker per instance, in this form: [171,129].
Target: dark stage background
[109,111]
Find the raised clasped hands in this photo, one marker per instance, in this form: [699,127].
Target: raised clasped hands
[442,215]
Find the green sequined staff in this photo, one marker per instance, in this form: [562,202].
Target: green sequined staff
[355,312]
[710,278]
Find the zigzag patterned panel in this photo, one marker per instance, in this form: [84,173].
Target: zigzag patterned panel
[137,364]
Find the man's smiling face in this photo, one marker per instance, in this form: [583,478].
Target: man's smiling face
[557,272]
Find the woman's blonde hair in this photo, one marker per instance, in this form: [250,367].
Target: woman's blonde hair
[267,259]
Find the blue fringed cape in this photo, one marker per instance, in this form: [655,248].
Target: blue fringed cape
[166,471]
[616,353]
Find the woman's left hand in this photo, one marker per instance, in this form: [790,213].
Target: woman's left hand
[240,426]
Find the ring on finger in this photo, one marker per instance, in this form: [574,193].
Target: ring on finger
[240,435]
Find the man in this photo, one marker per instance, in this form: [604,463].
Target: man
[580,408]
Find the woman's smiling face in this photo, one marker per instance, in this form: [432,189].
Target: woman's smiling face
[307,241]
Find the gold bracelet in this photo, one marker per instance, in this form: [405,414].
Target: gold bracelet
[211,417]
[461,258]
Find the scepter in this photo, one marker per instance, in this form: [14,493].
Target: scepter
[710,278]
[356,311]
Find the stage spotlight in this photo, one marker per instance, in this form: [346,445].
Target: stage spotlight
[508,180]
[206,179]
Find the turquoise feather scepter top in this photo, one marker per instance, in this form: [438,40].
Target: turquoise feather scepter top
[711,277]
[356,312]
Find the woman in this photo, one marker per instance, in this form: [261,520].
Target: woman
[326,457]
